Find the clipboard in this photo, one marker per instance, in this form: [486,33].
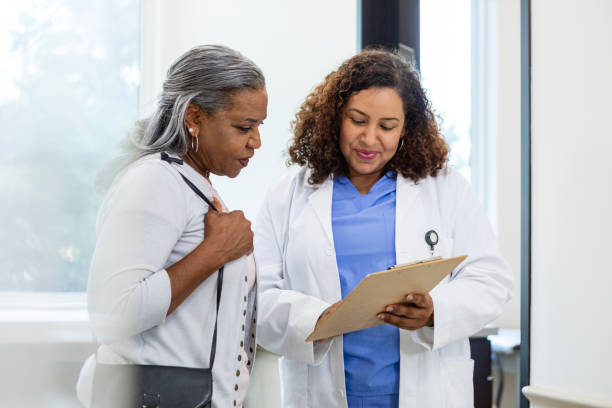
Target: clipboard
[359,309]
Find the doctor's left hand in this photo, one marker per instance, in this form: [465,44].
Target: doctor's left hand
[417,313]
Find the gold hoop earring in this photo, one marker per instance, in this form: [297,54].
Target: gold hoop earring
[197,144]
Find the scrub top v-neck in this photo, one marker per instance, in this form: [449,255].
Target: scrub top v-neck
[364,239]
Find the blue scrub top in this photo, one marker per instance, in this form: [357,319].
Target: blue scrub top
[364,240]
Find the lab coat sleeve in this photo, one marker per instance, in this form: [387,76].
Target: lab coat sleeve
[480,287]
[286,317]
[141,221]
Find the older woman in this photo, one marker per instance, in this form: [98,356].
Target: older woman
[153,285]
[373,182]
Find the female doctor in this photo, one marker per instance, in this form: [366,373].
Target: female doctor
[373,182]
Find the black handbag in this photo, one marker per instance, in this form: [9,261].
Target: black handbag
[154,386]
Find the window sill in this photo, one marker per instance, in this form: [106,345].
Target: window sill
[44,318]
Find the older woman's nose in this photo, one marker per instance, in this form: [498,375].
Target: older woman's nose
[255,140]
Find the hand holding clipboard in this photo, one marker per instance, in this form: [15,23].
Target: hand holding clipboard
[360,308]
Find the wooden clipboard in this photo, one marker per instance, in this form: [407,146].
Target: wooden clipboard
[359,309]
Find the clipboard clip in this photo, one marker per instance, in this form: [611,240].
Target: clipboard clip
[432,258]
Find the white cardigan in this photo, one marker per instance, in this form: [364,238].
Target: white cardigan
[148,221]
[298,278]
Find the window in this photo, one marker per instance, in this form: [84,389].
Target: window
[69,92]
[459,74]
[446,72]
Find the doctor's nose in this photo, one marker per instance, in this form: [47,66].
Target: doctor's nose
[369,135]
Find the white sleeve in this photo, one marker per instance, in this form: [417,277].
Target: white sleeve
[479,288]
[138,227]
[286,317]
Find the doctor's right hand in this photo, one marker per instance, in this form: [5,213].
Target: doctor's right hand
[230,233]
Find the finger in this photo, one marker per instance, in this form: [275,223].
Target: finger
[410,312]
[217,204]
[401,322]
[418,300]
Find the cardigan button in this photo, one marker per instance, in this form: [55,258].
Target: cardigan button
[234,402]
[237,373]
[243,327]
[245,279]
[241,343]
[239,357]
[236,387]
[245,298]
[244,312]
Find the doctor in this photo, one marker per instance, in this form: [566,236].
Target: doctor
[373,182]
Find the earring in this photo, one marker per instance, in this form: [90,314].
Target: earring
[197,143]
[401,144]
[191,130]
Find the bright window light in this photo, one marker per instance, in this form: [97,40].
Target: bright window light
[69,82]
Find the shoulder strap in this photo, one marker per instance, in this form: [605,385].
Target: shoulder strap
[213,348]
[198,192]
[167,158]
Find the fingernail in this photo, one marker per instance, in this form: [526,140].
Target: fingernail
[409,297]
[389,309]
[380,316]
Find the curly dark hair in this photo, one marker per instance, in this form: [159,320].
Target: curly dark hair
[317,123]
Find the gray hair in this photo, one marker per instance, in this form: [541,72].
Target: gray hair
[205,76]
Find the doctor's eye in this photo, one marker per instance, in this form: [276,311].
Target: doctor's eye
[357,121]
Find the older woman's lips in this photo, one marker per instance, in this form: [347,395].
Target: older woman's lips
[365,154]
[244,162]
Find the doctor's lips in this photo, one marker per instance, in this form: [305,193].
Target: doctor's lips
[366,154]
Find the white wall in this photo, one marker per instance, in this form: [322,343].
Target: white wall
[295,43]
[571,305]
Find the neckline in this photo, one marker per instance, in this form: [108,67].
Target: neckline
[388,179]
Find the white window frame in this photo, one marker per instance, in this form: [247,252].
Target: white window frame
[44,317]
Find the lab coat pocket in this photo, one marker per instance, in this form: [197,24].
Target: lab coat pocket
[458,373]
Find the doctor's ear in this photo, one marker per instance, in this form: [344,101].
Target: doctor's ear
[194,116]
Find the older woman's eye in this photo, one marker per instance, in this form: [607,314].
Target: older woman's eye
[243,129]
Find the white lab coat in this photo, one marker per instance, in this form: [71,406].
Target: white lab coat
[298,279]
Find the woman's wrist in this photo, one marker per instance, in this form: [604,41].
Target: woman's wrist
[211,255]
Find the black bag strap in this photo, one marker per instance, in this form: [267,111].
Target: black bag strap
[213,349]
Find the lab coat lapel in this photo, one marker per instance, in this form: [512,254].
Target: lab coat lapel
[321,202]
[409,221]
